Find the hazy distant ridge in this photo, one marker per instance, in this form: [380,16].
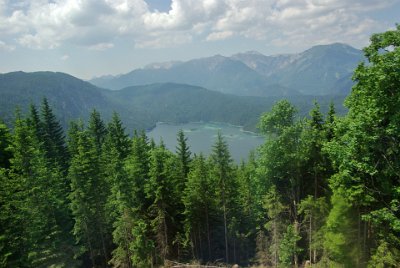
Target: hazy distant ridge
[140,107]
[320,70]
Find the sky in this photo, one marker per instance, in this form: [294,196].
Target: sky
[88,38]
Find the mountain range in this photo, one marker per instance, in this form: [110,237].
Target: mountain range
[140,107]
[320,70]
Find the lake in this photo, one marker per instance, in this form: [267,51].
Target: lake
[201,137]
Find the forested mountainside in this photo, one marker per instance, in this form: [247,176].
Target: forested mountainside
[322,190]
[317,71]
[140,107]
[70,96]
[177,103]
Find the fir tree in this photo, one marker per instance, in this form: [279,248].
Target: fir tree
[53,137]
[88,197]
[200,209]
[97,129]
[5,141]
[222,172]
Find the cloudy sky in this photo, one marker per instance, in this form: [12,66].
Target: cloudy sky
[89,38]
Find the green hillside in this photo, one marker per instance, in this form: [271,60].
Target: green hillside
[140,107]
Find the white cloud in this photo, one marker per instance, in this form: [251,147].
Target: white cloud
[6,47]
[101,46]
[43,24]
[215,36]
[65,57]
[158,40]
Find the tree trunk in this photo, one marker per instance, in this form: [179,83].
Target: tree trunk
[208,234]
[89,244]
[226,236]
[296,228]
[310,250]
[200,244]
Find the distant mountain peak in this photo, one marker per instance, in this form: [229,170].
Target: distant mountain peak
[333,47]
[249,52]
[162,65]
[314,71]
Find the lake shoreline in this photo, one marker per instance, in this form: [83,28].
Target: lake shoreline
[202,135]
[241,128]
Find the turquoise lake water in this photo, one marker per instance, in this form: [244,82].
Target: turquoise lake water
[201,137]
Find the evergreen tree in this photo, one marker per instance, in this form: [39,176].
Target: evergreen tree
[158,190]
[131,233]
[118,137]
[35,123]
[53,137]
[249,197]
[5,141]
[223,174]
[275,222]
[14,219]
[35,211]
[97,129]
[88,198]
[330,122]
[200,209]
[183,153]
[115,148]
[74,130]
[182,163]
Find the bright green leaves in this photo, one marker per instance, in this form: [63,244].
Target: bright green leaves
[288,246]
[365,153]
[281,116]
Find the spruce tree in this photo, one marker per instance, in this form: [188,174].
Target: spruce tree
[159,190]
[200,209]
[53,137]
[88,198]
[131,230]
[223,174]
[5,141]
[97,129]
[38,203]
[183,153]
[137,246]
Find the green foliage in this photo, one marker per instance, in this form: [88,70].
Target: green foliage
[385,256]
[88,197]
[223,174]
[341,239]
[142,247]
[280,117]
[97,129]
[53,137]
[288,246]
[158,190]
[199,207]
[5,140]
[183,153]
[365,153]
[315,212]
[35,211]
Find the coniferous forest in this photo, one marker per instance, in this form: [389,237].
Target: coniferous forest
[323,191]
